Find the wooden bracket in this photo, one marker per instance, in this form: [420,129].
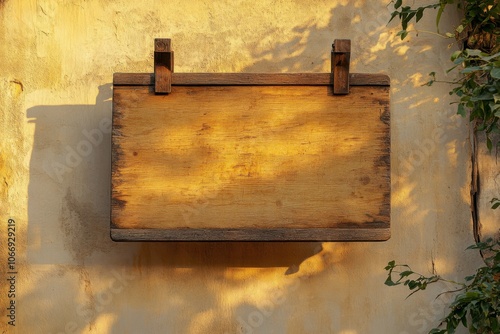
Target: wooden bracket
[164,66]
[341,56]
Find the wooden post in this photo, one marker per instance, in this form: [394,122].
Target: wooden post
[341,56]
[163,65]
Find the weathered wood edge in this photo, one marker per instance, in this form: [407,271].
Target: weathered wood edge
[163,65]
[280,234]
[341,59]
[250,79]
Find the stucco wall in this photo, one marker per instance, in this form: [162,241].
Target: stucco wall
[57,62]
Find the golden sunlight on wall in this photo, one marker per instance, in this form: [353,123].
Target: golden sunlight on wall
[57,62]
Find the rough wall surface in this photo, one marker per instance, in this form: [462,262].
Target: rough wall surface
[57,61]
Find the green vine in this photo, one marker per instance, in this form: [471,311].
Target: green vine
[477,304]
[495,203]
[478,85]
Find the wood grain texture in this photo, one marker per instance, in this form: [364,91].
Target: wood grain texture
[341,58]
[304,234]
[250,79]
[252,158]
[163,66]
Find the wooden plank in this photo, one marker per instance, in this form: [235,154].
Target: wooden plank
[341,58]
[263,158]
[314,234]
[163,66]
[250,79]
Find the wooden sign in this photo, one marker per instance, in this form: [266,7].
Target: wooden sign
[250,157]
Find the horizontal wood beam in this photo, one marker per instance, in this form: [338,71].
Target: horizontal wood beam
[279,234]
[250,79]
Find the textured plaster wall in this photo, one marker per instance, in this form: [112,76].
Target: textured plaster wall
[57,61]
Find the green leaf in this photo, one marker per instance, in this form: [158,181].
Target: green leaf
[450,35]
[398,4]
[393,15]
[464,320]
[460,28]
[451,69]
[461,110]
[406,273]
[403,34]
[482,97]
[485,308]
[473,52]
[390,282]
[450,328]
[455,55]
[471,294]
[471,69]
[438,16]
[488,58]
[495,72]
[420,13]
[407,15]
[471,277]
[437,331]
[412,284]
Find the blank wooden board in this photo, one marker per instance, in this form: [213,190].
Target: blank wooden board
[236,161]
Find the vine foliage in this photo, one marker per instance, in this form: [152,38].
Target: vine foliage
[478,60]
[477,304]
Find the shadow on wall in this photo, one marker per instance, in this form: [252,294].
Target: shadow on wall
[69,191]
[68,226]
[72,155]
[69,204]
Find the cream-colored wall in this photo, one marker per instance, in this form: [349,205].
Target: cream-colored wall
[57,62]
